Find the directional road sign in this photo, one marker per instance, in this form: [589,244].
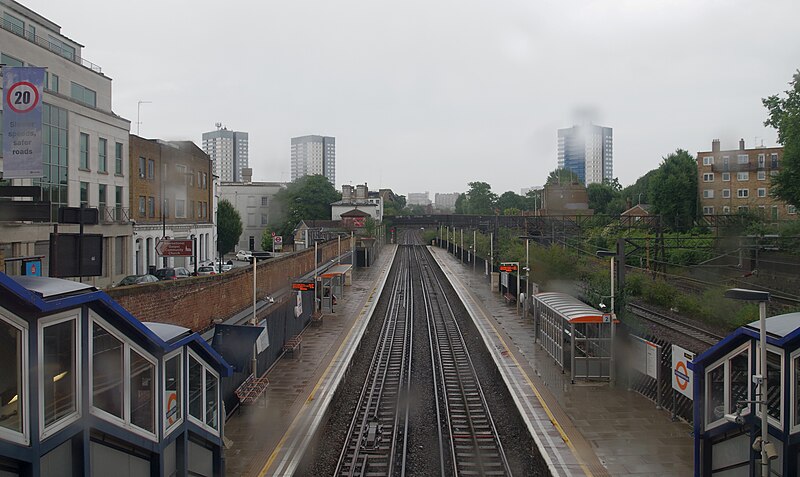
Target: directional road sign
[174,248]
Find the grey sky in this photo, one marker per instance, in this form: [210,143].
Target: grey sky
[429,95]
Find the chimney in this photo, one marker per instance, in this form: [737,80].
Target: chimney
[347,192]
[628,203]
[715,145]
[361,191]
[741,144]
[247,175]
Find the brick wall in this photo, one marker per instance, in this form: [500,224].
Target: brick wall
[196,302]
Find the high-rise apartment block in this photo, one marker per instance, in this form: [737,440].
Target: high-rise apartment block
[737,180]
[84,144]
[445,201]
[587,150]
[228,151]
[314,155]
[419,198]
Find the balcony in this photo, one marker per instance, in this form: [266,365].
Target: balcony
[47,44]
[734,167]
[114,215]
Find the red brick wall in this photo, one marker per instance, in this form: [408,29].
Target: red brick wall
[196,302]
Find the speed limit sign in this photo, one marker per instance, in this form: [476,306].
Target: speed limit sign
[22,122]
[22,97]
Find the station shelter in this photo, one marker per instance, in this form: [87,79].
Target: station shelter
[332,281]
[87,389]
[577,336]
[724,389]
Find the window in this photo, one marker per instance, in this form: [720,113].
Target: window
[51,81]
[708,210]
[14,397]
[59,378]
[173,392]
[742,176]
[715,394]
[151,169]
[761,175]
[761,192]
[728,384]
[203,394]
[761,161]
[84,153]
[142,392]
[726,209]
[774,212]
[142,162]
[791,210]
[191,209]
[743,158]
[16,25]
[118,158]
[118,201]
[10,60]
[742,209]
[165,206]
[708,193]
[101,197]
[180,208]
[264,201]
[742,193]
[726,193]
[708,160]
[85,194]
[740,380]
[141,206]
[708,177]
[84,95]
[773,159]
[107,372]
[774,386]
[726,176]
[61,48]
[102,155]
[151,207]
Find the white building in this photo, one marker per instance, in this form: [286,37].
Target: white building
[445,201]
[587,150]
[419,198]
[358,198]
[314,155]
[85,145]
[254,202]
[228,151]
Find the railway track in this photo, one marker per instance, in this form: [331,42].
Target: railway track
[675,324]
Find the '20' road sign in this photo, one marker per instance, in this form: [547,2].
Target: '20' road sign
[22,97]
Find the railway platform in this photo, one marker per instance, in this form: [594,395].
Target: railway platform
[589,429]
[270,438]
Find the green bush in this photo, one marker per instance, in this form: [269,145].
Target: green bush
[659,293]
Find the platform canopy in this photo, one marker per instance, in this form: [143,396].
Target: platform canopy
[571,309]
[337,270]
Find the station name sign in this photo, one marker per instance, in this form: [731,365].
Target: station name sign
[302,286]
[508,268]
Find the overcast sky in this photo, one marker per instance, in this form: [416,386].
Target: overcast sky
[430,95]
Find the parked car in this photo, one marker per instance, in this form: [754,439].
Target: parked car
[244,255]
[136,279]
[206,270]
[227,267]
[172,273]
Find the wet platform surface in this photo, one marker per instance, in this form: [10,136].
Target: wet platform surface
[588,429]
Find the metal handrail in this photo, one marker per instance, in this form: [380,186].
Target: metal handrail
[45,43]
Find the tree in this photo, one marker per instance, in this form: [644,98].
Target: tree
[600,195]
[461,204]
[784,115]
[307,198]
[673,190]
[229,227]
[266,240]
[562,176]
[480,200]
[533,200]
[510,201]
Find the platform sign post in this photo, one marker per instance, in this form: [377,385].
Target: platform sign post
[682,376]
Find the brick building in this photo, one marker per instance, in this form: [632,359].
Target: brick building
[737,180]
[171,196]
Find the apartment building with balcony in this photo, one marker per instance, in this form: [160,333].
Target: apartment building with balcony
[171,195]
[84,144]
[738,180]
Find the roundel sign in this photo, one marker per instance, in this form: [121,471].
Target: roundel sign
[682,378]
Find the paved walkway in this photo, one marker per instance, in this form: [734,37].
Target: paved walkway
[269,438]
[623,429]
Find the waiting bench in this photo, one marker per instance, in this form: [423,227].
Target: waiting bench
[293,345]
[251,389]
[509,298]
[316,319]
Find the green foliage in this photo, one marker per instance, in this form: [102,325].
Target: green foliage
[533,200]
[266,240]
[673,190]
[512,211]
[562,176]
[479,200]
[659,293]
[461,204]
[511,201]
[784,115]
[229,227]
[601,195]
[394,207]
[370,227]
[307,198]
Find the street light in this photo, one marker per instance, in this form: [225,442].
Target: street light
[762,298]
[611,371]
[527,273]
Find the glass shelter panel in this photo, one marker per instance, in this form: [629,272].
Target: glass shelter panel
[196,389]
[59,373]
[774,385]
[107,371]
[142,391]
[715,394]
[211,400]
[172,391]
[11,388]
[740,380]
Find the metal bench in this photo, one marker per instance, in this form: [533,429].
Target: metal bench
[251,389]
[293,345]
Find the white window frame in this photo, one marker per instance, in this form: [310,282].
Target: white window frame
[168,429]
[726,193]
[726,209]
[708,177]
[45,432]
[742,196]
[778,424]
[743,176]
[708,160]
[761,175]
[791,210]
[189,416]
[761,192]
[708,193]
[743,159]
[794,428]
[127,346]
[726,176]
[725,363]
[708,210]
[23,397]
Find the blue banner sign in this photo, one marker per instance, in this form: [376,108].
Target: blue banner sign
[22,122]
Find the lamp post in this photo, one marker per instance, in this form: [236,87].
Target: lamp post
[762,298]
[611,371]
[527,274]
[474,250]
[253,320]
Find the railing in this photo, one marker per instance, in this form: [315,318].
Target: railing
[736,167]
[45,43]
[111,215]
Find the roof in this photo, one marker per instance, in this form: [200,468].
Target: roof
[166,331]
[47,287]
[337,270]
[570,308]
[641,207]
[780,325]
[355,203]
[319,224]
[355,213]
